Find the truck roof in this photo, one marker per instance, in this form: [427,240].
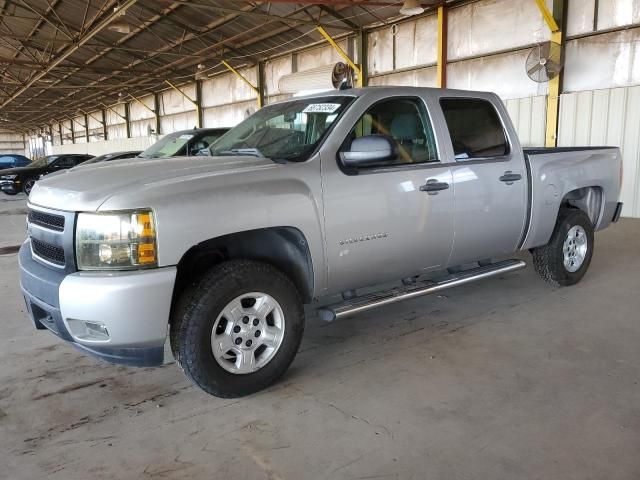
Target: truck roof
[398,90]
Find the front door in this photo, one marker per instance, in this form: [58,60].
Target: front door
[385,221]
[489,181]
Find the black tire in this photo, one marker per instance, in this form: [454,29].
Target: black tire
[28,184]
[10,193]
[549,259]
[198,308]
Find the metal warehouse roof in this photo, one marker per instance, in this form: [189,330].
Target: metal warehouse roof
[60,57]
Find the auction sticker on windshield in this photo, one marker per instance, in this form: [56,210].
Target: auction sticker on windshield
[185,136]
[321,108]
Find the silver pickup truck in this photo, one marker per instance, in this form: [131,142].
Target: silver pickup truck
[309,199]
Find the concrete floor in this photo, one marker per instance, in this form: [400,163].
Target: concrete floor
[506,379]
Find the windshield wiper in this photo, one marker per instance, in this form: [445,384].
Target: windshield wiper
[254,152]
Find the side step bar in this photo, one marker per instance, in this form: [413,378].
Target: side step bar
[426,287]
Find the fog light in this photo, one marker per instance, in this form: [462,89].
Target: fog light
[89,331]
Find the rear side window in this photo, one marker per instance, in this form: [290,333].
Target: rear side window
[475,128]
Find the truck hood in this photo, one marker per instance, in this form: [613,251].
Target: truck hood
[86,188]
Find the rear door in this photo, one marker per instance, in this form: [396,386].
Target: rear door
[381,223]
[489,178]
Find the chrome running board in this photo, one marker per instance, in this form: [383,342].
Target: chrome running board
[418,289]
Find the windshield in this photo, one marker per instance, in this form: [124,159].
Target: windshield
[168,146]
[288,131]
[44,161]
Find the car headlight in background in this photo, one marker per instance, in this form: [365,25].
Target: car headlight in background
[8,177]
[116,240]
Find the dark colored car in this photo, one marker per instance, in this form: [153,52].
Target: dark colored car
[13,160]
[107,157]
[184,143]
[22,179]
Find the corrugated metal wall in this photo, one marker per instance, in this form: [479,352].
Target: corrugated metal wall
[529,116]
[607,117]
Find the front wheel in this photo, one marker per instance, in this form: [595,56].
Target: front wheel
[28,184]
[238,330]
[567,256]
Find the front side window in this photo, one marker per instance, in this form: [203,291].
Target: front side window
[285,132]
[475,128]
[406,122]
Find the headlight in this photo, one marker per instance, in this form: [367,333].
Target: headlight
[8,177]
[116,240]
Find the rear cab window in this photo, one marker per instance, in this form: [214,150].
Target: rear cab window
[475,129]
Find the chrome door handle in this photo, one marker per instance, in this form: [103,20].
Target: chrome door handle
[433,186]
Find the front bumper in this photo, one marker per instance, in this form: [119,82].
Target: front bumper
[10,186]
[133,307]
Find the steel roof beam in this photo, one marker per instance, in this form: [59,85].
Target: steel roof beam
[68,52]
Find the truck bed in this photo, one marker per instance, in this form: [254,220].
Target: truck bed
[555,173]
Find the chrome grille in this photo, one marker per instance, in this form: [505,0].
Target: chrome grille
[47,220]
[51,233]
[48,252]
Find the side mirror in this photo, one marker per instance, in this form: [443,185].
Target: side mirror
[369,150]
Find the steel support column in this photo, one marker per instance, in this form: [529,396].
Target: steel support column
[363,52]
[199,103]
[104,124]
[260,83]
[156,107]
[553,19]
[443,26]
[127,118]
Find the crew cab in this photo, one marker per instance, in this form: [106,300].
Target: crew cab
[304,201]
[22,179]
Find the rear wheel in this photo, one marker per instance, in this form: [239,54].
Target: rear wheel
[28,184]
[567,256]
[238,330]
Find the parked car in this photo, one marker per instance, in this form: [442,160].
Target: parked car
[107,157]
[311,197]
[184,143]
[13,160]
[22,179]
